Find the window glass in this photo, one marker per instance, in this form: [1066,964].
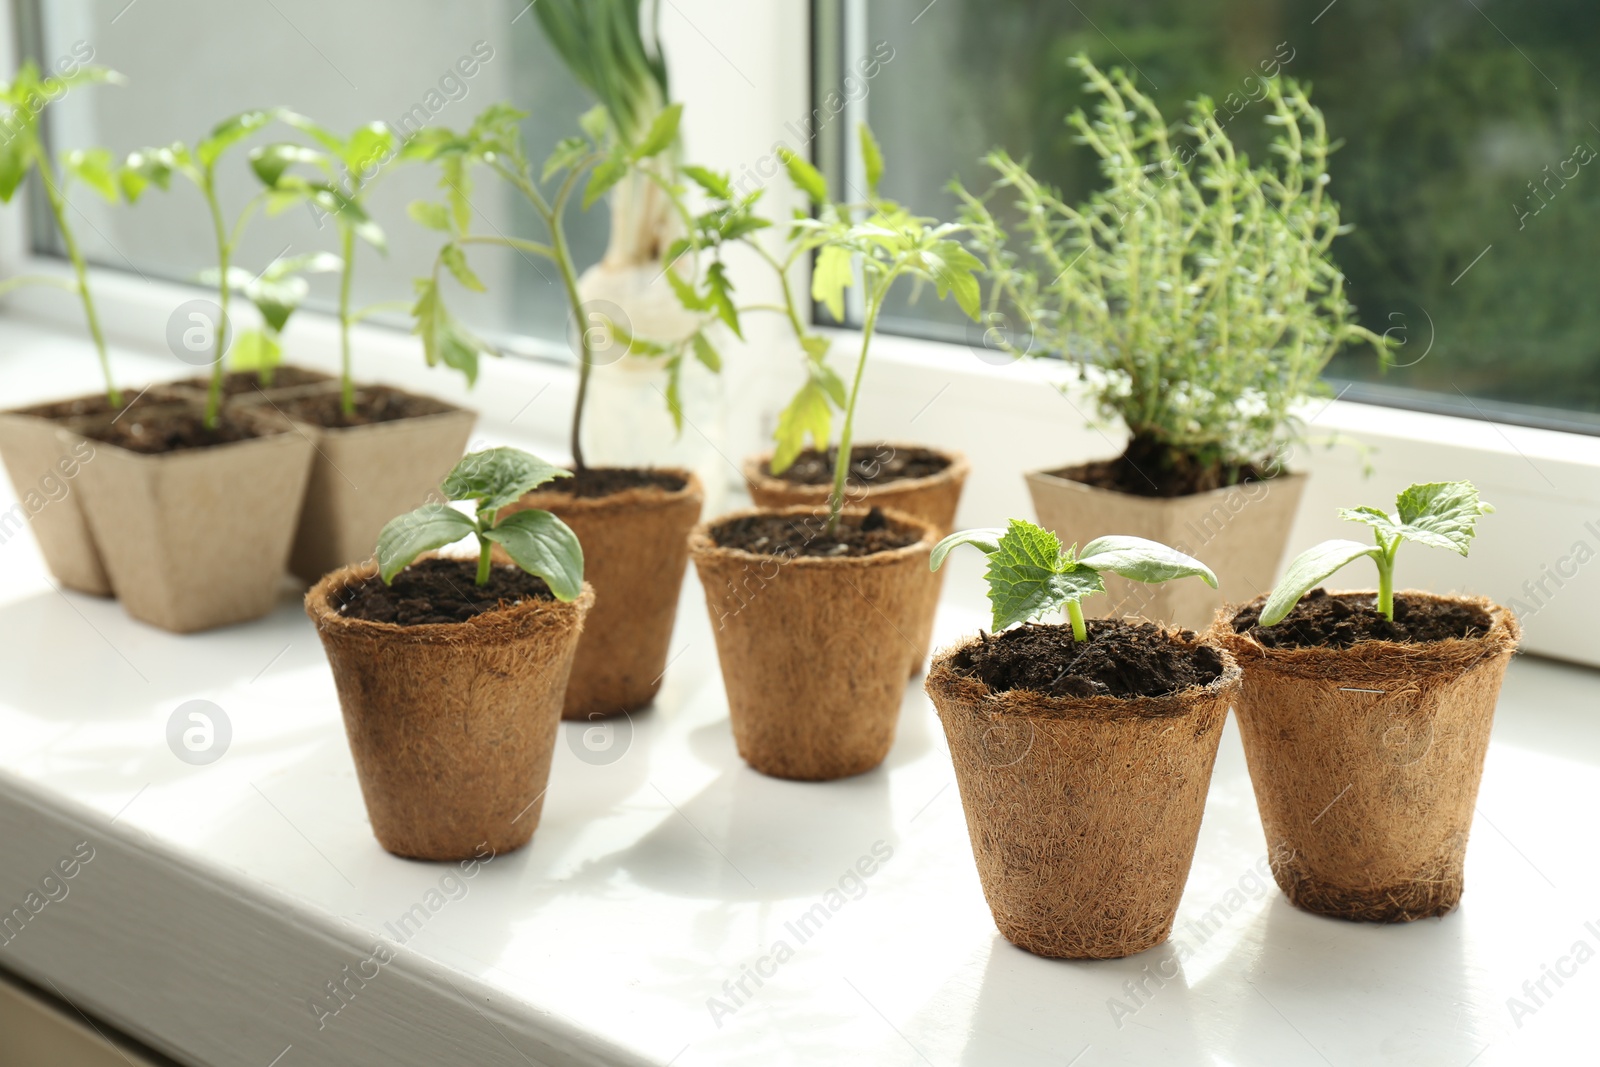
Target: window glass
[191,63]
[1469,168]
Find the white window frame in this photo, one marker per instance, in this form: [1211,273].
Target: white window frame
[745,80]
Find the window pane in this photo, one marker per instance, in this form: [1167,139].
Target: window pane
[1469,168]
[191,63]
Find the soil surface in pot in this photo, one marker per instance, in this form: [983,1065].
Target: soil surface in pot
[374,404]
[1339,620]
[93,404]
[594,482]
[1150,468]
[172,429]
[1120,659]
[802,535]
[869,465]
[440,591]
[242,382]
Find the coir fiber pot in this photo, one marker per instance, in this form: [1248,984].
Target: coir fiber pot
[43,458]
[933,499]
[364,475]
[1366,762]
[198,538]
[635,551]
[815,651]
[452,725]
[1083,812]
[1240,531]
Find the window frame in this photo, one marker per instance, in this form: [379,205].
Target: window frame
[737,111]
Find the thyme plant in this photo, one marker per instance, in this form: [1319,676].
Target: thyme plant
[1196,290]
[23,150]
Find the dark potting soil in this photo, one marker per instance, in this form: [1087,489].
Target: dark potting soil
[243,382]
[1339,620]
[172,429]
[440,591]
[374,404]
[1120,659]
[593,482]
[869,465]
[802,535]
[93,404]
[1147,467]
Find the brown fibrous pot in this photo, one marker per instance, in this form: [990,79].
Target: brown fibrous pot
[1083,812]
[452,726]
[1366,762]
[635,552]
[815,651]
[933,499]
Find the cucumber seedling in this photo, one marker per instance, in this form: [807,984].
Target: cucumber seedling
[536,541]
[1030,575]
[1441,514]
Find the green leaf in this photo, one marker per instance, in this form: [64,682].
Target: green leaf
[1443,514]
[707,355]
[456,179]
[271,161]
[986,541]
[831,384]
[807,413]
[255,350]
[595,122]
[715,185]
[227,133]
[15,158]
[368,147]
[662,133]
[954,270]
[565,154]
[805,177]
[455,259]
[496,477]
[142,169]
[408,536]
[545,547]
[94,168]
[1309,570]
[1028,577]
[674,394]
[1142,560]
[443,339]
[323,136]
[432,215]
[719,291]
[611,170]
[832,275]
[276,298]
[871,158]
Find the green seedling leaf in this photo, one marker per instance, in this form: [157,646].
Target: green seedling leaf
[832,276]
[805,177]
[142,169]
[808,413]
[544,546]
[444,340]
[1310,569]
[1442,514]
[662,133]
[611,170]
[715,185]
[255,350]
[719,292]
[1029,577]
[986,541]
[1143,561]
[430,527]
[432,215]
[456,261]
[567,153]
[270,162]
[871,158]
[496,477]
[228,133]
[93,167]
[16,156]
[707,355]
[366,149]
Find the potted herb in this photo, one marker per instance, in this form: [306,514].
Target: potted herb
[1197,295]
[920,481]
[613,49]
[821,613]
[35,451]
[451,671]
[379,449]
[194,502]
[633,521]
[1365,716]
[1082,752]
